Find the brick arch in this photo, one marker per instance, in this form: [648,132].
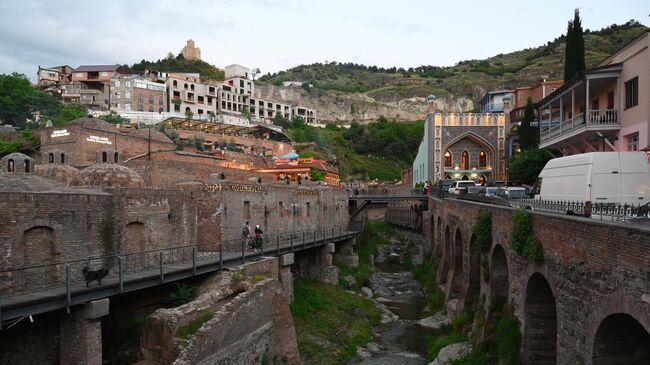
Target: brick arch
[473,270]
[612,304]
[443,273]
[499,274]
[456,266]
[539,342]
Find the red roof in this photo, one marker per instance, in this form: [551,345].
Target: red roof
[99,68]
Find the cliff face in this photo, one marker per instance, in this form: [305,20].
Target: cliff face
[360,107]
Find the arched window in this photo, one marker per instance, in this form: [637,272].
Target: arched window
[50,157]
[160,100]
[192,87]
[27,166]
[464,160]
[62,158]
[175,83]
[447,177]
[104,157]
[482,159]
[185,86]
[447,158]
[117,157]
[160,110]
[151,99]
[150,108]
[465,177]
[10,166]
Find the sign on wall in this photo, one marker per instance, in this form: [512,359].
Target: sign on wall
[246,188]
[60,133]
[97,139]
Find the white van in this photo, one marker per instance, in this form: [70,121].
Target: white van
[599,177]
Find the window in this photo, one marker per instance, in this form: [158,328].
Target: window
[141,98]
[464,161]
[127,106]
[633,142]
[117,83]
[127,95]
[127,84]
[150,99]
[104,157]
[104,74]
[10,166]
[140,108]
[482,159]
[632,92]
[308,209]
[117,157]
[185,86]
[27,166]
[50,158]
[62,158]
[247,210]
[192,87]
[160,100]
[175,83]
[150,108]
[447,158]
[160,110]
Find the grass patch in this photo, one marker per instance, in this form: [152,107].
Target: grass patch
[454,333]
[371,237]
[191,328]
[330,322]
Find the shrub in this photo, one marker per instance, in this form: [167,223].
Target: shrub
[521,229]
[533,249]
[184,294]
[191,328]
[483,230]
[508,340]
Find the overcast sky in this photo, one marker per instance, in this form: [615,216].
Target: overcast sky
[278,34]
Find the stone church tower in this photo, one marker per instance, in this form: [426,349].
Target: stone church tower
[190,52]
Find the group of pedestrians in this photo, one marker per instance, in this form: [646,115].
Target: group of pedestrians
[254,243]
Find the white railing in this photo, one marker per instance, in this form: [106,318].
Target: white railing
[604,117]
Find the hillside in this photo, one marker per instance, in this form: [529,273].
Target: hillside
[178,64]
[345,91]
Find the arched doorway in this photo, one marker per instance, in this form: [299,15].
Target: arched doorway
[457,268]
[447,177]
[482,159]
[447,255]
[482,180]
[474,270]
[134,246]
[464,160]
[540,331]
[498,277]
[448,158]
[621,339]
[39,249]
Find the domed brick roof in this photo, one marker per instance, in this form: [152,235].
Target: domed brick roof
[431,97]
[109,175]
[58,172]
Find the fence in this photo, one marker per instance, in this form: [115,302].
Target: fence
[114,268]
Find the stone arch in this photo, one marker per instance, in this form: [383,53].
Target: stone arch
[609,305]
[539,345]
[446,260]
[474,270]
[39,252]
[499,285]
[457,266]
[28,166]
[50,157]
[621,339]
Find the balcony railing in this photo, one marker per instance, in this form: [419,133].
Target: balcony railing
[595,118]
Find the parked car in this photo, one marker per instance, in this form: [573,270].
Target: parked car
[445,184]
[460,186]
[598,177]
[488,191]
[475,190]
[511,192]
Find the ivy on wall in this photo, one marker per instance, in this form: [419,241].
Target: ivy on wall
[522,240]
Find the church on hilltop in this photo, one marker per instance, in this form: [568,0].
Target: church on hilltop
[190,52]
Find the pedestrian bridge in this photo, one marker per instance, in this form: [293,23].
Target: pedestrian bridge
[39,289]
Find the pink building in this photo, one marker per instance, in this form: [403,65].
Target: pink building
[605,108]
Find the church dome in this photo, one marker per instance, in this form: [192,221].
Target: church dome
[109,175]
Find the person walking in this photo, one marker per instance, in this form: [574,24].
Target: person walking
[245,234]
[258,237]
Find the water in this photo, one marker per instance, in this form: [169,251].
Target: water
[402,341]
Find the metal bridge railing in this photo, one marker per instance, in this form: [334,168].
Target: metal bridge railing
[114,269]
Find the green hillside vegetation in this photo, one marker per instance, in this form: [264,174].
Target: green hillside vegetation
[178,64]
[501,71]
[378,150]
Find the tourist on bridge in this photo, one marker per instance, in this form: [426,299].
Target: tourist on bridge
[245,233]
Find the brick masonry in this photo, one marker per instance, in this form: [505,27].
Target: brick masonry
[593,268]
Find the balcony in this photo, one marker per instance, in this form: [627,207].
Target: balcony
[605,120]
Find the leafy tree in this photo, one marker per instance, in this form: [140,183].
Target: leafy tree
[281,121]
[70,112]
[188,114]
[298,122]
[528,164]
[20,103]
[114,118]
[527,133]
[574,54]
[316,175]
[247,113]
[197,141]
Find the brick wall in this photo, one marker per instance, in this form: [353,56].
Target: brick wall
[593,268]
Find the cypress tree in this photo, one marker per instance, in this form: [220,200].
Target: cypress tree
[527,133]
[574,54]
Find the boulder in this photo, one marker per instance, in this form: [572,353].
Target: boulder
[367,292]
[436,321]
[452,352]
